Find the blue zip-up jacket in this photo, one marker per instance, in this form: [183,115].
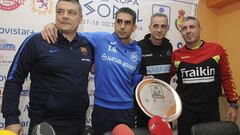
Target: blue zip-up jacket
[59,80]
[116,70]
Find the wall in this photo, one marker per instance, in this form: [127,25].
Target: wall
[222,26]
[208,20]
[229,35]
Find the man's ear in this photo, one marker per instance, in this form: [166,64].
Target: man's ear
[81,19]
[134,27]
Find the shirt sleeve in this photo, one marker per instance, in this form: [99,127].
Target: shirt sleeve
[226,78]
[172,67]
[137,77]
[13,85]
[91,38]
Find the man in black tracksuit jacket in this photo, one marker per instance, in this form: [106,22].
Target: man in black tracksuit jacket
[156,57]
[59,78]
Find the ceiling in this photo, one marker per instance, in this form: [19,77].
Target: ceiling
[218,4]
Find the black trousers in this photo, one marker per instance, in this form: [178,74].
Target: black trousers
[140,117]
[76,129]
[188,118]
[104,119]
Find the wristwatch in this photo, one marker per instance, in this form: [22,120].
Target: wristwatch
[234,105]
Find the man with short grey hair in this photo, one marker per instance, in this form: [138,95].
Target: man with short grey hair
[156,57]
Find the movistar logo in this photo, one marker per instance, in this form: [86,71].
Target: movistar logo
[15,31]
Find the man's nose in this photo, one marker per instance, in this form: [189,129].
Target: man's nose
[159,29]
[188,30]
[65,15]
[122,26]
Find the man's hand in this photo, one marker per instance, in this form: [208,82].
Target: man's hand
[92,70]
[49,33]
[16,128]
[232,114]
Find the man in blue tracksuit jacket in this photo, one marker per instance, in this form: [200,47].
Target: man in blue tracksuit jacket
[59,77]
[117,62]
[116,74]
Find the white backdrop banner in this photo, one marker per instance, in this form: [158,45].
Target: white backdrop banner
[20,18]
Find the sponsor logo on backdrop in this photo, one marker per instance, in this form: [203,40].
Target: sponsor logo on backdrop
[106,9]
[9,5]
[3,78]
[25,123]
[42,6]
[6,46]
[157,8]
[179,20]
[2,125]
[5,59]
[25,92]
[90,92]
[2,56]
[91,79]
[179,44]
[15,31]
[25,108]
[88,120]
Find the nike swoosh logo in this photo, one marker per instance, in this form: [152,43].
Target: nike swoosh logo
[53,50]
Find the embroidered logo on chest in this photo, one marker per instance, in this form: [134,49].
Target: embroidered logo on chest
[83,51]
[133,56]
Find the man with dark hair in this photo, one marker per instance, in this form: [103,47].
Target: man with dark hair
[119,56]
[156,57]
[59,77]
[117,63]
[202,69]
[129,11]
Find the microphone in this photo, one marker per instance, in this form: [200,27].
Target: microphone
[43,129]
[159,126]
[88,130]
[122,129]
